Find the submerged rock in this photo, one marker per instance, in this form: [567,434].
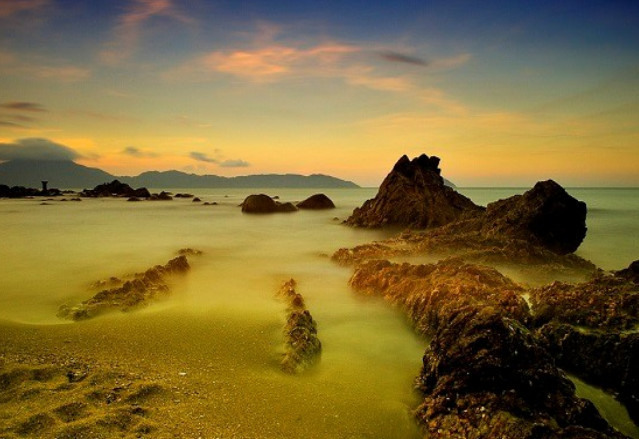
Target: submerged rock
[317,201]
[302,346]
[130,293]
[262,203]
[413,195]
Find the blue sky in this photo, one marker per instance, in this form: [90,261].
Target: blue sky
[506,93]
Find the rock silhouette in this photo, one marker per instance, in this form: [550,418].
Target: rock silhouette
[317,201]
[413,195]
[262,203]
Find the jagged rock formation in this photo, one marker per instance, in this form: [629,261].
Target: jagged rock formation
[485,373]
[128,294]
[413,195]
[317,201]
[302,346]
[486,376]
[537,229]
[262,203]
[116,189]
[586,327]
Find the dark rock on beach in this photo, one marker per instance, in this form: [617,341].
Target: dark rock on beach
[115,189]
[607,302]
[262,203]
[413,195]
[589,327]
[545,213]
[162,196]
[426,293]
[131,293]
[609,359]
[486,376]
[539,229]
[302,346]
[24,192]
[317,201]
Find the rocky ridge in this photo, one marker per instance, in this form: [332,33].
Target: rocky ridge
[130,293]
[302,345]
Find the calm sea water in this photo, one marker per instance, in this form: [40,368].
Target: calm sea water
[50,253]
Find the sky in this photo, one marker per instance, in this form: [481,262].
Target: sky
[506,93]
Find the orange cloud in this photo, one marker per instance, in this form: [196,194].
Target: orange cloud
[129,26]
[12,7]
[266,63]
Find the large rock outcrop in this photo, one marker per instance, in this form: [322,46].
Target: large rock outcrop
[486,376]
[546,213]
[485,373]
[413,195]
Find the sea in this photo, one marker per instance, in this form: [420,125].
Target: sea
[51,250]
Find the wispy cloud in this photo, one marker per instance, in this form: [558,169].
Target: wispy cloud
[56,70]
[23,106]
[128,30]
[202,157]
[269,57]
[219,160]
[234,164]
[138,153]
[397,57]
[36,149]
[13,7]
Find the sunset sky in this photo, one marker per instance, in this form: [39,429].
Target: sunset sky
[505,92]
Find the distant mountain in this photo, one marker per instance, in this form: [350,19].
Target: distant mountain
[67,174]
[60,174]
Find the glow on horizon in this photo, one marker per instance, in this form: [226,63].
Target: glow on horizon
[505,96]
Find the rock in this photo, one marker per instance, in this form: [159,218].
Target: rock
[317,201]
[413,195]
[546,213]
[129,294]
[134,199]
[486,376]
[115,189]
[607,359]
[603,303]
[426,293]
[180,195]
[162,196]
[631,273]
[262,203]
[301,345]
[196,200]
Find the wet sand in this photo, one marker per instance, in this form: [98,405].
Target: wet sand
[174,375]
